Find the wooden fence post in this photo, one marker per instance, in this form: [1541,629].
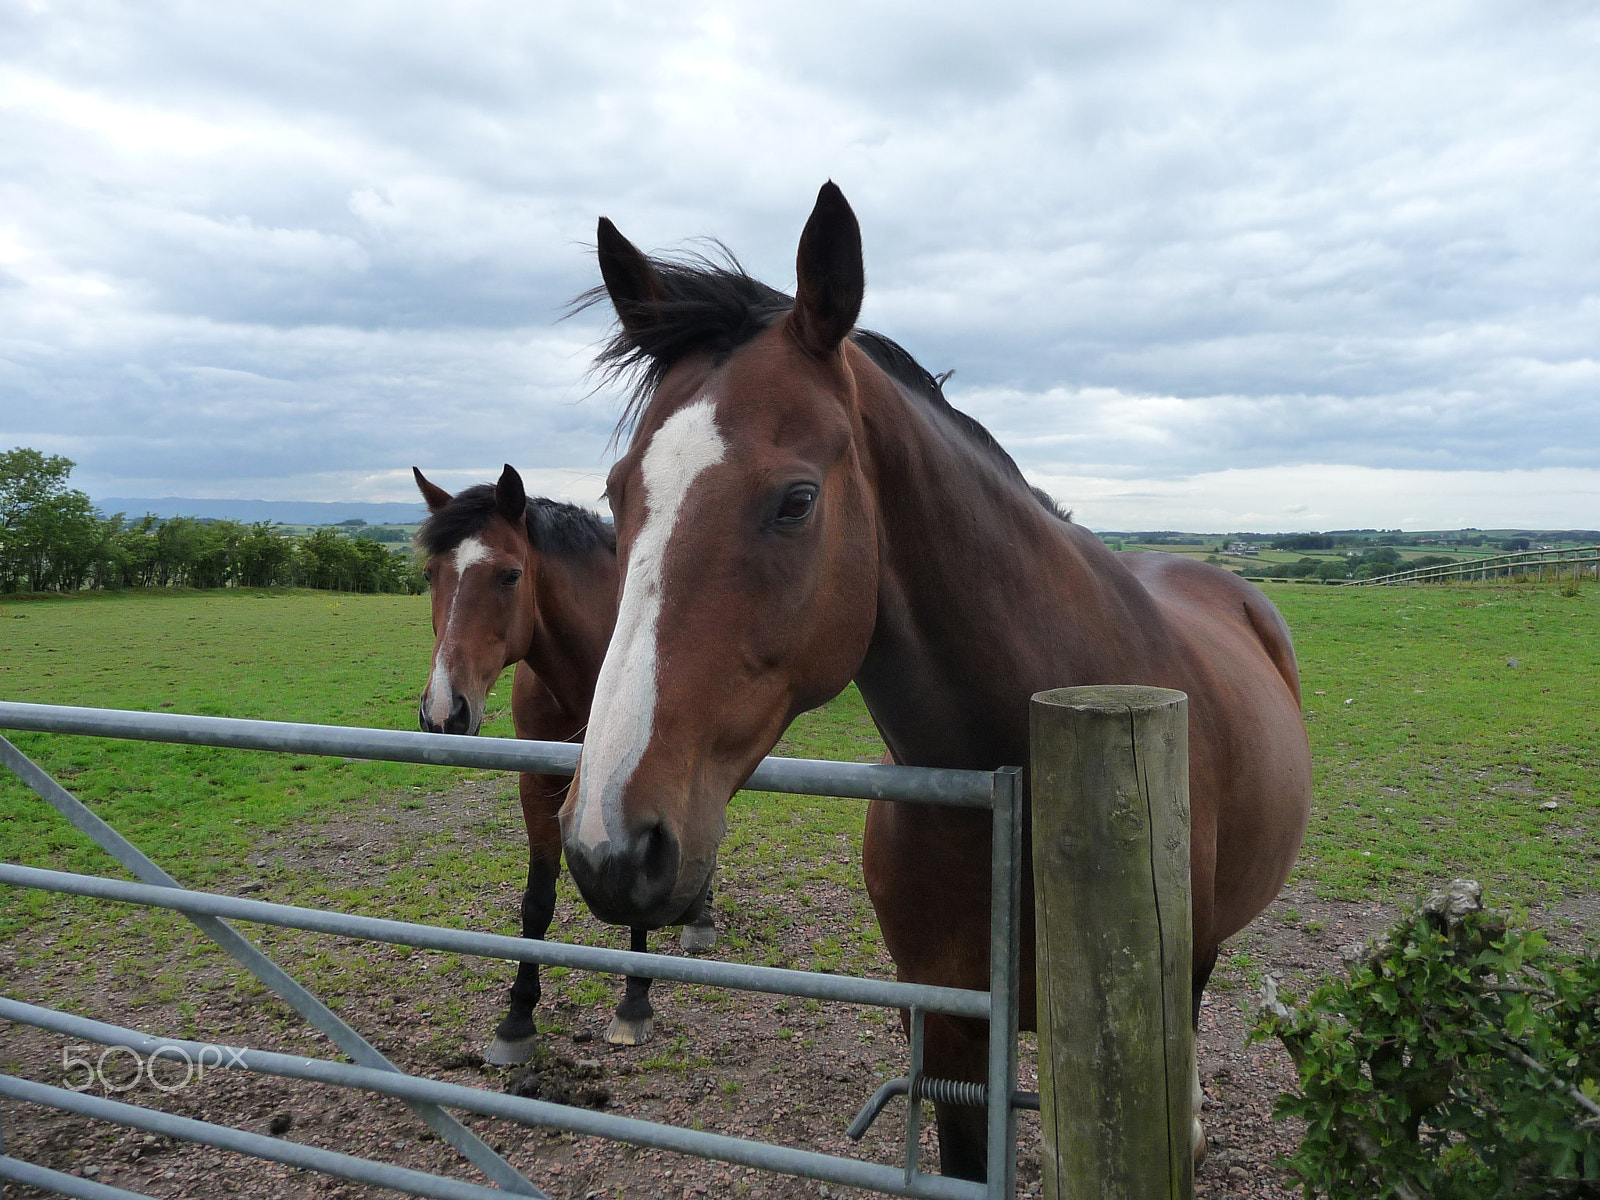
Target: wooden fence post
[1110,808]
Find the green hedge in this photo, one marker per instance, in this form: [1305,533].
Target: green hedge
[1459,1060]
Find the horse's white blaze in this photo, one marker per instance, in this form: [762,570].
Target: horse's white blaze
[441,691]
[471,550]
[622,718]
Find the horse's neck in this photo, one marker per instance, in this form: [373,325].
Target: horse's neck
[576,610]
[984,596]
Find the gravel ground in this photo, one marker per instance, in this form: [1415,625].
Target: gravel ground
[777,1069]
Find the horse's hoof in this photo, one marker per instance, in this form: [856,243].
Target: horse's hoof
[626,1032]
[697,939]
[503,1052]
[1199,1143]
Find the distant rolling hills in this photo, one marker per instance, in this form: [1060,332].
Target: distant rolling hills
[286,512]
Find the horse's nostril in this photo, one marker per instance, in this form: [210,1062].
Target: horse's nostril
[656,852]
[460,718]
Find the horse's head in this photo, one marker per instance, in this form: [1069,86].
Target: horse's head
[480,569]
[748,544]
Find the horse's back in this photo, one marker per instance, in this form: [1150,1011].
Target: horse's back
[1254,761]
[1200,593]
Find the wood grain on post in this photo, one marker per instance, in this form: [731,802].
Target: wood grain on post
[1110,807]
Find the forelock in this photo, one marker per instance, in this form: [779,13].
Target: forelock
[551,526]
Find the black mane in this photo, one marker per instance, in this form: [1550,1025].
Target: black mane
[713,307]
[554,527]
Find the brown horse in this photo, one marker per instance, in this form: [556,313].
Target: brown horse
[800,506]
[530,582]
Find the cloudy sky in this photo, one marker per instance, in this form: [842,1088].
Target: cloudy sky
[1224,266]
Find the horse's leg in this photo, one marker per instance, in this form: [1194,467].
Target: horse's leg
[918,864]
[701,935]
[956,1048]
[631,1023]
[542,795]
[1197,1095]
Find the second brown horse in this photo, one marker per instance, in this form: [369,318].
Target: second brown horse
[530,582]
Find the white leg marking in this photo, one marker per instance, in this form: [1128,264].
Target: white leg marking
[623,715]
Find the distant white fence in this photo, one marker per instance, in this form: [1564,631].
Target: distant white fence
[1576,562]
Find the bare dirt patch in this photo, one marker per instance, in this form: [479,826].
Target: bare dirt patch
[773,1068]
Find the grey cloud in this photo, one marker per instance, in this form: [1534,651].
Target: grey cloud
[1153,240]
[229,407]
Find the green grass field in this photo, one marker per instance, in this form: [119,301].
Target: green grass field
[1435,756]
[1443,720]
[330,659]
[290,656]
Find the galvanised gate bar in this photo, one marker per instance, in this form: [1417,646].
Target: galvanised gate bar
[999,791]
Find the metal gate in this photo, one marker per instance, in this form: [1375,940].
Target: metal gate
[999,791]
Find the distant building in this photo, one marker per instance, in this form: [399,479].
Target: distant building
[1246,549]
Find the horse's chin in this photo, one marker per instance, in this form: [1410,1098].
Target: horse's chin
[697,906]
[679,911]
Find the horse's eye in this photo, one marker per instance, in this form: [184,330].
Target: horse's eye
[427,573]
[796,506]
[509,578]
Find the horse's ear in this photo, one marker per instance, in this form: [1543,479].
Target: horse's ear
[631,282]
[831,277]
[434,496]
[510,499]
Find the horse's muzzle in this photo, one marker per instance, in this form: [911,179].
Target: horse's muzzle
[636,882]
[459,720]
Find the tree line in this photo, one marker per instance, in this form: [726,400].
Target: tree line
[1384,560]
[52,538]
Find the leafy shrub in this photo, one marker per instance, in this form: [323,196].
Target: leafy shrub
[1459,1059]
